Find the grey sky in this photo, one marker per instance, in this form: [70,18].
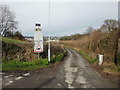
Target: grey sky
[66,17]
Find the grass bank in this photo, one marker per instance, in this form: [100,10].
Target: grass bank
[16,65]
[20,65]
[10,40]
[88,57]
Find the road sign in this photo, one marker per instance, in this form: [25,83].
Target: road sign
[38,38]
[38,48]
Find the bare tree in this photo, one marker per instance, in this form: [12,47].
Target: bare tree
[7,20]
[112,25]
[89,30]
[103,28]
[109,25]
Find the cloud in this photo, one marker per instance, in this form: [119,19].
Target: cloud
[65,18]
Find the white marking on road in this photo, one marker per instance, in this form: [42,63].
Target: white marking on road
[69,52]
[59,84]
[18,78]
[11,75]
[26,74]
[10,82]
[70,72]
[74,69]
[8,76]
[69,77]
[2,73]
[69,86]
[82,81]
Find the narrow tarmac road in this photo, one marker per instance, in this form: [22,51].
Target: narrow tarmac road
[73,72]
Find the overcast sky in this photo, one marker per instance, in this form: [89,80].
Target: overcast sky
[66,18]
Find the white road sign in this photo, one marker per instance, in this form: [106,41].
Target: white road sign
[38,38]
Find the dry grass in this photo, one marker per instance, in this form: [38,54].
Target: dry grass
[94,44]
[111,69]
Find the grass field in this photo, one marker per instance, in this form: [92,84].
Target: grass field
[10,40]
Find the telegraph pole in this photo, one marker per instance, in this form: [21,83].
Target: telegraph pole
[49,35]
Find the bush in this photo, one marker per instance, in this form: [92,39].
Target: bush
[41,61]
[18,35]
[8,34]
[57,58]
[118,58]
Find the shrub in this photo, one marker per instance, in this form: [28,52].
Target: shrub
[88,57]
[43,61]
[57,57]
[18,35]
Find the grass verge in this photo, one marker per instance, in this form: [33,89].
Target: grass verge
[57,58]
[15,65]
[107,68]
[88,57]
[85,55]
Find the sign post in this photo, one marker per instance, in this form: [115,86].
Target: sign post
[49,49]
[38,39]
[49,35]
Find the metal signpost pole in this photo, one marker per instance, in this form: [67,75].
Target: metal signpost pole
[38,55]
[49,51]
[49,35]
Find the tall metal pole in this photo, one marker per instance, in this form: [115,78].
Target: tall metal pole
[49,35]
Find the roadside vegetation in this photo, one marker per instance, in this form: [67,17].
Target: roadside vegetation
[17,53]
[16,65]
[16,56]
[105,41]
[10,40]
[20,65]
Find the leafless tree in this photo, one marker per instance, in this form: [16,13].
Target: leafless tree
[112,25]
[89,30]
[109,25]
[7,20]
